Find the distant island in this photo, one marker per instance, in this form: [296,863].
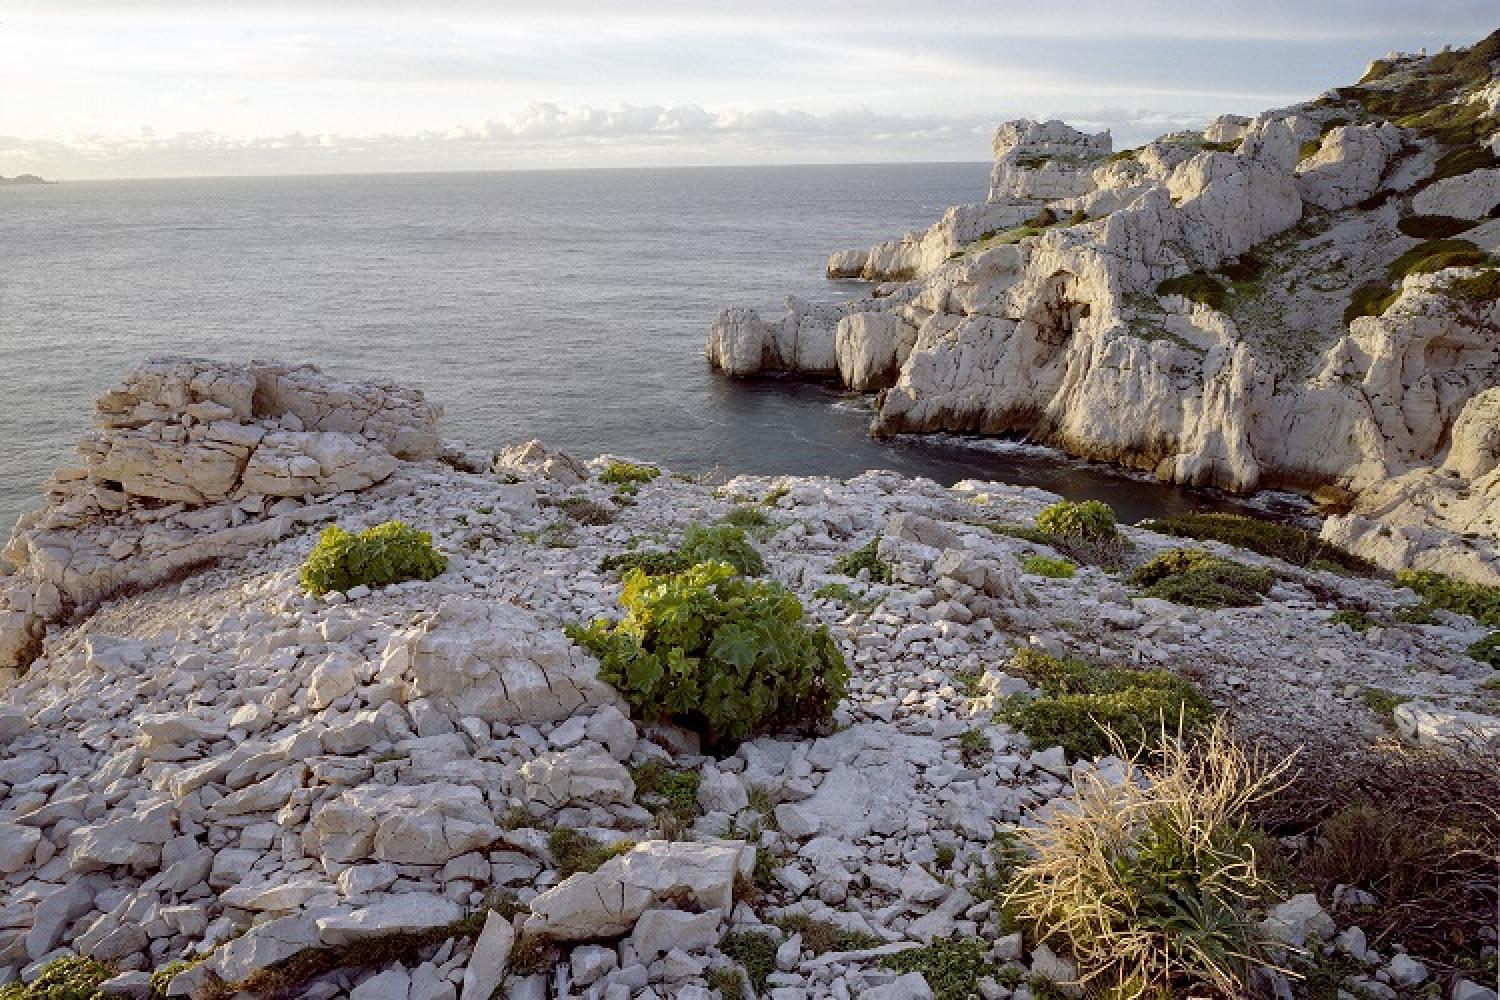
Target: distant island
[25,179]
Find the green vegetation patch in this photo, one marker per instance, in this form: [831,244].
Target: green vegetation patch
[1268,538]
[1380,701]
[847,596]
[1086,519]
[1200,287]
[667,789]
[755,951]
[1359,621]
[628,474]
[717,652]
[1476,600]
[576,852]
[1434,227]
[952,967]
[385,554]
[1371,299]
[1480,288]
[1486,650]
[724,543]
[824,936]
[1202,580]
[62,979]
[1079,702]
[866,557]
[1464,161]
[1056,569]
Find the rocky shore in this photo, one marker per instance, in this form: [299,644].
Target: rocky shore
[1307,300]
[213,780]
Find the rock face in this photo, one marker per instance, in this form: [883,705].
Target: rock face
[192,460]
[1051,311]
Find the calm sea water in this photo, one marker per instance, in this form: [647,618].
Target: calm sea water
[567,305]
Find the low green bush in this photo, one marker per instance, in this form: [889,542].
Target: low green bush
[1357,620]
[1380,701]
[1433,227]
[1198,287]
[1269,538]
[1371,299]
[628,474]
[1442,261]
[1483,287]
[1464,161]
[1476,600]
[756,952]
[952,967]
[385,554]
[1080,705]
[823,936]
[1247,267]
[667,789]
[721,654]
[652,562]
[845,595]
[1413,260]
[1487,650]
[866,557]
[1202,580]
[575,852]
[1087,519]
[723,543]
[586,511]
[1056,569]
[1309,148]
[62,979]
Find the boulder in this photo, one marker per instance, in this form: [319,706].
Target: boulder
[406,913]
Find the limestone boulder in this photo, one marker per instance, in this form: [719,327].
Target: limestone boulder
[426,824]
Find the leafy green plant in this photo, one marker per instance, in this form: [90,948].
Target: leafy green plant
[1086,709]
[717,652]
[1087,519]
[1480,602]
[846,595]
[1269,538]
[574,851]
[725,543]
[867,556]
[1202,580]
[1153,885]
[62,979]
[385,554]
[1056,569]
[952,967]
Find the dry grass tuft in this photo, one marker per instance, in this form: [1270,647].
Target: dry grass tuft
[1151,884]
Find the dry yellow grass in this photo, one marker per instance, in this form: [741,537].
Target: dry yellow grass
[1151,884]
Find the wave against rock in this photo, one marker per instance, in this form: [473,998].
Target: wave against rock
[1260,304]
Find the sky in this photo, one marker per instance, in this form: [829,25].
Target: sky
[166,88]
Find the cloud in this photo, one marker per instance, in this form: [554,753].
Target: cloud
[548,134]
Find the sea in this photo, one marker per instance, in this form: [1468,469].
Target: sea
[567,305]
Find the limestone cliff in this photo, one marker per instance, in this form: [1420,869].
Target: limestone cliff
[1306,299]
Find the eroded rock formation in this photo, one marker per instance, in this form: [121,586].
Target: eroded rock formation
[1250,306]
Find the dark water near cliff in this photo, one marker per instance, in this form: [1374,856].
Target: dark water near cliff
[567,305]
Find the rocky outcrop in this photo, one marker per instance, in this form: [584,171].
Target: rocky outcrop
[1197,308]
[192,460]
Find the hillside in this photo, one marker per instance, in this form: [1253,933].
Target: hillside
[1308,299]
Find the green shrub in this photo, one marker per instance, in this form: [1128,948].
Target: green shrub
[1309,148]
[1476,600]
[1442,261]
[1198,287]
[1056,569]
[756,951]
[723,543]
[575,852]
[846,595]
[667,789]
[716,652]
[1380,701]
[1483,287]
[385,554]
[585,511]
[952,967]
[823,936]
[748,517]
[1487,650]
[1087,519]
[1080,705]
[1246,267]
[1412,260]
[1269,538]
[1464,161]
[1433,227]
[628,474]
[1371,299]
[62,979]
[867,556]
[1357,620]
[650,562]
[1202,580]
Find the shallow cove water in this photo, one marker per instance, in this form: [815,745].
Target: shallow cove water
[572,306]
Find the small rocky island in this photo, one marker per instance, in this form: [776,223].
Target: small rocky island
[25,179]
[298,699]
[1305,300]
